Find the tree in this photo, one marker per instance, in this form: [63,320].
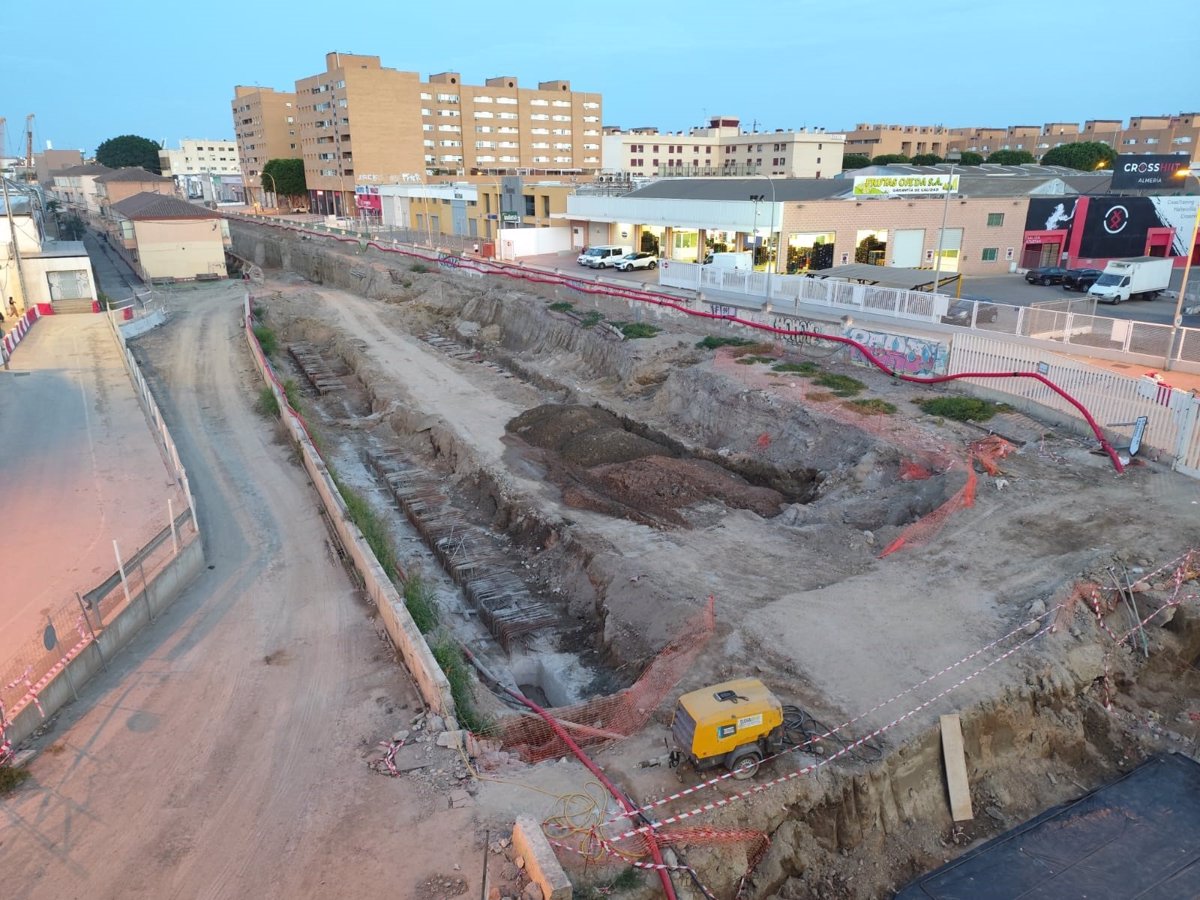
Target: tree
[129,150]
[970,158]
[73,228]
[1085,156]
[926,159]
[1011,157]
[285,178]
[855,161]
[889,158]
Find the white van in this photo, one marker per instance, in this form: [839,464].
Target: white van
[603,257]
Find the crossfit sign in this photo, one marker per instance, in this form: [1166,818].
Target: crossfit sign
[1139,171]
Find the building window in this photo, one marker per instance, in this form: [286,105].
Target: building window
[990,254]
[995,220]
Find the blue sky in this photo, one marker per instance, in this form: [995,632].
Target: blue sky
[144,68]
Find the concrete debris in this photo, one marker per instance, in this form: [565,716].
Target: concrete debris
[450,739]
[519,862]
[533,892]
[435,724]
[461,799]
[401,736]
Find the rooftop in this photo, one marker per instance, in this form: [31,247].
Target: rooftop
[131,173]
[777,189]
[160,206]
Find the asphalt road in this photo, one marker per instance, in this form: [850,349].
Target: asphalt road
[80,470]
[114,275]
[1016,290]
[221,756]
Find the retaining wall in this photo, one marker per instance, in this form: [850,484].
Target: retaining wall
[413,648]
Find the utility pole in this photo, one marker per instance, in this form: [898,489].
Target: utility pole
[12,231]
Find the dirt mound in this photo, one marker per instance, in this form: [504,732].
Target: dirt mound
[583,435]
[662,485]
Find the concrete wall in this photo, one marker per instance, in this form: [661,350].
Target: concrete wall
[409,641]
[36,280]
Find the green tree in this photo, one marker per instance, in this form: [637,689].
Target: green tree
[855,161]
[926,159]
[72,228]
[129,150]
[285,177]
[970,158]
[1011,157]
[889,158]
[1085,156]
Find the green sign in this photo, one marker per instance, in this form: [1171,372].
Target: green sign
[510,217]
[904,185]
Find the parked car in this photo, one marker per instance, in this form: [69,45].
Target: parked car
[637,261]
[960,311]
[1079,279]
[602,257]
[1046,275]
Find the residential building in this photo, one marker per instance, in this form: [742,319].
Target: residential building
[50,162]
[48,270]
[722,149]
[204,171]
[438,130]
[476,210]
[75,188]
[168,239]
[118,184]
[265,125]
[873,140]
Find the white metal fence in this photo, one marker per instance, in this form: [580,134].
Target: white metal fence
[1115,401]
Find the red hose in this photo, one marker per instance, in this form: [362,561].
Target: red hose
[493,268]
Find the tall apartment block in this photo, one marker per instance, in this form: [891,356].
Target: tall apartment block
[264,123]
[363,125]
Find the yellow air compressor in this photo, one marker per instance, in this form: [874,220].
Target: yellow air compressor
[736,724]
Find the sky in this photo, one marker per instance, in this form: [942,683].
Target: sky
[167,72]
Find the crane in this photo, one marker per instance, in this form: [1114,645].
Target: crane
[30,170]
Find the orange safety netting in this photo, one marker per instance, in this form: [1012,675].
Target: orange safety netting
[987,452]
[618,715]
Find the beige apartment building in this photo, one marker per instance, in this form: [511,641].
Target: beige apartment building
[722,149]
[168,239]
[265,128]
[362,125]
[884,140]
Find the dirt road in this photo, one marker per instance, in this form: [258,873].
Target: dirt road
[221,756]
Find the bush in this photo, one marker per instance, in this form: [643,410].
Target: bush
[961,409]
[592,318]
[419,268]
[872,407]
[455,665]
[266,339]
[12,778]
[266,404]
[804,368]
[418,597]
[634,330]
[712,343]
[562,306]
[291,391]
[751,360]
[373,530]
[840,385]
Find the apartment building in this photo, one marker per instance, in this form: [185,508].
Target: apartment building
[265,128]
[363,124]
[722,149]
[204,171]
[884,140]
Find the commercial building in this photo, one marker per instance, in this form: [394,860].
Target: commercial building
[46,270]
[438,130]
[265,126]
[474,210]
[168,239]
[722,149]
[204,171]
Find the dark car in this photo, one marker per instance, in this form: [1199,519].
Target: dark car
[1046,275]
[1080,279]
[960,311]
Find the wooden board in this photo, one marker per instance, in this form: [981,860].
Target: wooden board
[956,769]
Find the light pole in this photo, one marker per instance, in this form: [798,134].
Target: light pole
[274,188]
[1177,320]
[937,264]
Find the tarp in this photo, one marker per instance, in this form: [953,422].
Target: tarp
[1138,836]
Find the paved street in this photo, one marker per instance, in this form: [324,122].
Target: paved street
[116,279]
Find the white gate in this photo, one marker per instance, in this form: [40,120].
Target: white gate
[68,285]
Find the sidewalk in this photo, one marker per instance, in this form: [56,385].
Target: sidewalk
[113,275]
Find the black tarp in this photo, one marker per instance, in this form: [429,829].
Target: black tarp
[1138,836]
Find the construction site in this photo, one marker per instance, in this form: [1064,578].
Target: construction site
[602,506]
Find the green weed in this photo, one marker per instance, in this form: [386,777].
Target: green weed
[418,597]
[839,385]
[370,525]
[712,343]
[751,360]
[266,339]
[804,368]
[961,409]
[266,404]
[458,673]
[634,330]
[291,391]
[562,306]
[872,407]
[592,318]
[419,268]
[12,778]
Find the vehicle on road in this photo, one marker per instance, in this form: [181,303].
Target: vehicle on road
[1141,278]
[961,310]
[1046,275]
[637,261]
[602,257]
[1080,279]
[736,260]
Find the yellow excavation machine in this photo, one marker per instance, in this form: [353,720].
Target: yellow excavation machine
[736,724]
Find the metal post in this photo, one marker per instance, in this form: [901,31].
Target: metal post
[146,592]
[483,888]
[937,263]
[121,570]
[92,631]
[174,534]
[1177,321]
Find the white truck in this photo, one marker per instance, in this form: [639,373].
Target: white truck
[1141,278]
[742,260]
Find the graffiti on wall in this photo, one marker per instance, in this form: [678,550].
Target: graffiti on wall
[905,354]
[791,323]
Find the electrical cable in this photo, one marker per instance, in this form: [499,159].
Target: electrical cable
[803,730]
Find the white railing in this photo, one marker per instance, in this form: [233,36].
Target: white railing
[1114,400]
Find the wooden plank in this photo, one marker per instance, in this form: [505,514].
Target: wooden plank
[956,769]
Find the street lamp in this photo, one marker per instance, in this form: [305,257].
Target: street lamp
[937,265]
[1177,321]
[274,188]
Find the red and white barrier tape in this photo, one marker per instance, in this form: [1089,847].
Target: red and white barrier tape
[389,758]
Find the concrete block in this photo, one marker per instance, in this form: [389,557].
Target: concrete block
[541,865]
[451,739]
